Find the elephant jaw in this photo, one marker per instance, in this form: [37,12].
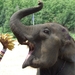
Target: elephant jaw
[29,56]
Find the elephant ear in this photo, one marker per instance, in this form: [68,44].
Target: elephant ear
[67,51]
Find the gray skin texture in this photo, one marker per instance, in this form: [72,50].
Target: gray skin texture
[53,49]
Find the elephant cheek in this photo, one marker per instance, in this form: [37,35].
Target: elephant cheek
[45,61]
[49,55]
[50,60]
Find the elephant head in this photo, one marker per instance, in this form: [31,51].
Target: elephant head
[47,42]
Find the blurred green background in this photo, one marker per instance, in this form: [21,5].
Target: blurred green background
[59,11]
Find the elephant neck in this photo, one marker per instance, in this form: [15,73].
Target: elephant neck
[54,70]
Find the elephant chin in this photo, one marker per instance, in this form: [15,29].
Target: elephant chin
[28,60]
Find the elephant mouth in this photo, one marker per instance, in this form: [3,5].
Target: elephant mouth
[29,44]
[29,56]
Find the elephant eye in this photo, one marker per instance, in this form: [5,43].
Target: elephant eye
[46,31]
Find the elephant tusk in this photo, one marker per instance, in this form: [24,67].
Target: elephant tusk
[29,44]
[26,41]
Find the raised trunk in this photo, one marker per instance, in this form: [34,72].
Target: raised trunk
[21,31]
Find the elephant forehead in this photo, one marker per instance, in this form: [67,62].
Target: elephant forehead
[53,26]
[59,30]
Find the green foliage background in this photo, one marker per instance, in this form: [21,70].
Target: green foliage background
[59,11]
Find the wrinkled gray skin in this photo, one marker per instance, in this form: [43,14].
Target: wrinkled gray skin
[54,49]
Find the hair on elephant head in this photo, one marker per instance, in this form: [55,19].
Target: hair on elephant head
[50,44]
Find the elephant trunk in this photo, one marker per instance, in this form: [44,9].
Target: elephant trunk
[21,31]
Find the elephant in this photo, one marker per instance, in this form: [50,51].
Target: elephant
[51,48]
